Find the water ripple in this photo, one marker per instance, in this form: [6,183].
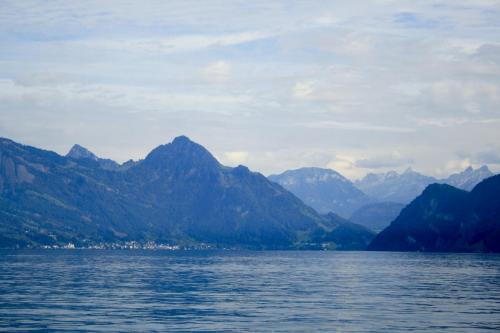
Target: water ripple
[158,291]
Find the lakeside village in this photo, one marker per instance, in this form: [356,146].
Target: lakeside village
[129,245]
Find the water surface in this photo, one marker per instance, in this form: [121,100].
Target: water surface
[230,291]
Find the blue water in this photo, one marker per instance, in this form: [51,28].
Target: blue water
[226,291]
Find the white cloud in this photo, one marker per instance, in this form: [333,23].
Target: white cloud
[346,166]
[357,126]
[218,71]
[162,45]
[454,166]
[130,99]
[469,96]
[393,160]
[303,90]
[233,158]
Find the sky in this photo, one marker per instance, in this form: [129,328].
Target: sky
[357,86]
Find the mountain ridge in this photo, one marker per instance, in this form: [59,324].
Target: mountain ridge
[373,201]
[404,187]
[448,219]
[178,194]
[325,190]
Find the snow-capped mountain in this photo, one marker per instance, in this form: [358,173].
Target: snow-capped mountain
[467,179]
[406,186]
[323,189]
[393,186]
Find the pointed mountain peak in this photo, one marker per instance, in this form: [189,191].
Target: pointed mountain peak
[468,178]
[392,173]
[182,140]
[484,168]
[408,170]
[79,152]
[183,152]
[183,143]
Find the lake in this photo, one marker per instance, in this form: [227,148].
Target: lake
[239,291]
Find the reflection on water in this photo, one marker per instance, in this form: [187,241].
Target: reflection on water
[90,290]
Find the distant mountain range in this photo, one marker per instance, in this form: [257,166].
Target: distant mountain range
[469,178]
[444,218]
[393,186]
[179,194]
[373,201]
[323,189]
[406,186]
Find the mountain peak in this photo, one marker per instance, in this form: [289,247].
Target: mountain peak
[484,168]
[183,145]
[182,140]
[438,188]
[181,152]
[447,219]
[323,189]
[79,152]
[394,187]
[468,178]
[409,170]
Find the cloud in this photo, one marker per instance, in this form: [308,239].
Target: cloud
[303,90]
[357,126]
[468,96]
[235,157]
[490,157]
[128,98]
[413,20]
[455,166]
[345,165]
[486,157]
[489,53]
[218,71]
[44,79]
[384,161]
[163,45]
[295,84]
[454,121]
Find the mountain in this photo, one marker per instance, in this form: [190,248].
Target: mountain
[377,216]
[467,179]
[444,218]
[345,236]
[80,153]
[404,187]
[394,187]
[323,189]
[179,194]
